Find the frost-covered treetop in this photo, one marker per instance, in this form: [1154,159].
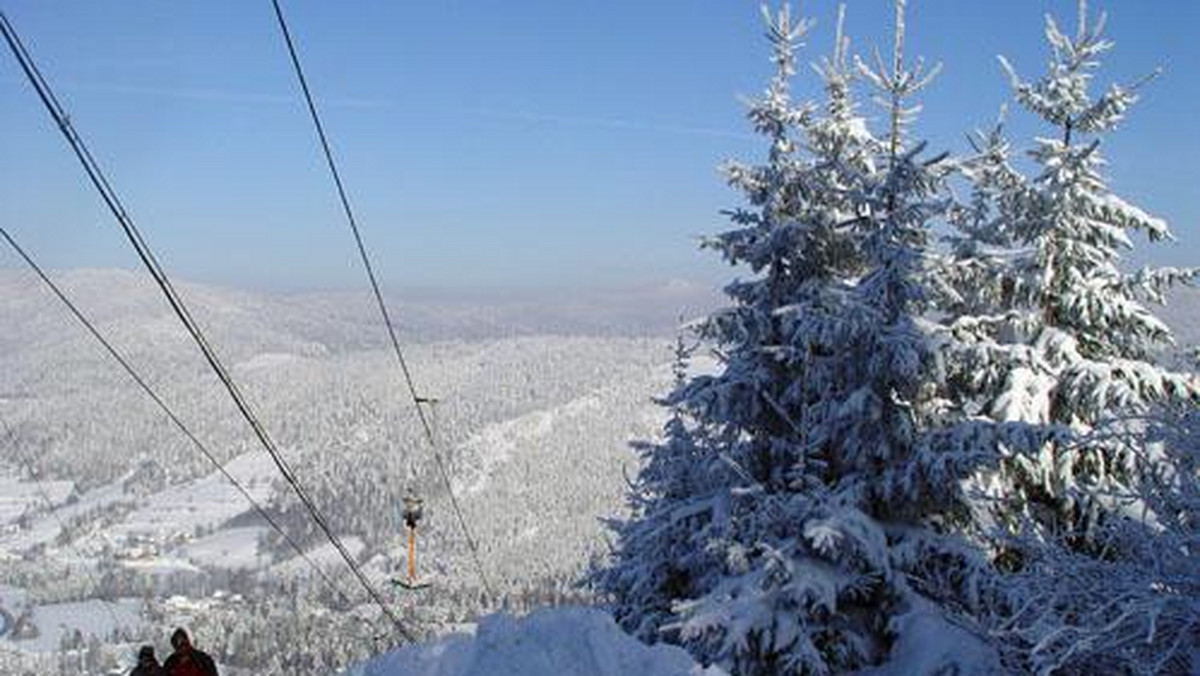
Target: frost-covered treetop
[897,83]
[1073,226]
[1061,96]
[774,114]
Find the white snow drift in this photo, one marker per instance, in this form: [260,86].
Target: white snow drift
[551,642]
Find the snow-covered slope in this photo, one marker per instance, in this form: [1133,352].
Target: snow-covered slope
[17,496]
[205,502]
[558,642]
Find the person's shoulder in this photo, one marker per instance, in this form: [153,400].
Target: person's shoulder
[206,659]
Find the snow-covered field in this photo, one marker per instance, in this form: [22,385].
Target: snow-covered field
[45,528]
[92,617]
[56,621]
[176,512]
[17,495]
[233,548]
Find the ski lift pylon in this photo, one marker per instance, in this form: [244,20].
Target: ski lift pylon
[413,510]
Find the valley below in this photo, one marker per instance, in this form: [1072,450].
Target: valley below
[115,528]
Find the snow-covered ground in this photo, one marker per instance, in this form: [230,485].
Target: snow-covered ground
[552,642]
[45,528]
[17,496]
[206,502]
[56,620]
[90,617]
[232,548]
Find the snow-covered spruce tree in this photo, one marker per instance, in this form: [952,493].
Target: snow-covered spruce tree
[798,516]
[663,556]
[1057,335]
[1054,335]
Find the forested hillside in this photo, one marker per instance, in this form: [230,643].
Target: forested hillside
[534,420]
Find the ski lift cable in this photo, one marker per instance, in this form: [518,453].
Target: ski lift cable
[162,405]
[108,603]
[99,181]
[387,320]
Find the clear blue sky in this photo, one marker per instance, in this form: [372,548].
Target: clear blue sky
[530,143]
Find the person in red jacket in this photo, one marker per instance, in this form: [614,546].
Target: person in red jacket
[186,660]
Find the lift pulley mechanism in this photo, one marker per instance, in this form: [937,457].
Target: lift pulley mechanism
[412,516]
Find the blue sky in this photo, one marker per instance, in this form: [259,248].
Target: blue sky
[519,143]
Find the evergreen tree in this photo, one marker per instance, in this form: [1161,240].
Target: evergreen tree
[1055,335]
[1090,511]
[798,513]
[672,474]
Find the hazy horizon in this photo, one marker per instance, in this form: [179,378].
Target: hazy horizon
[513,290]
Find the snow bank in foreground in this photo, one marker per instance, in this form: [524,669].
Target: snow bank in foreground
[549,642]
